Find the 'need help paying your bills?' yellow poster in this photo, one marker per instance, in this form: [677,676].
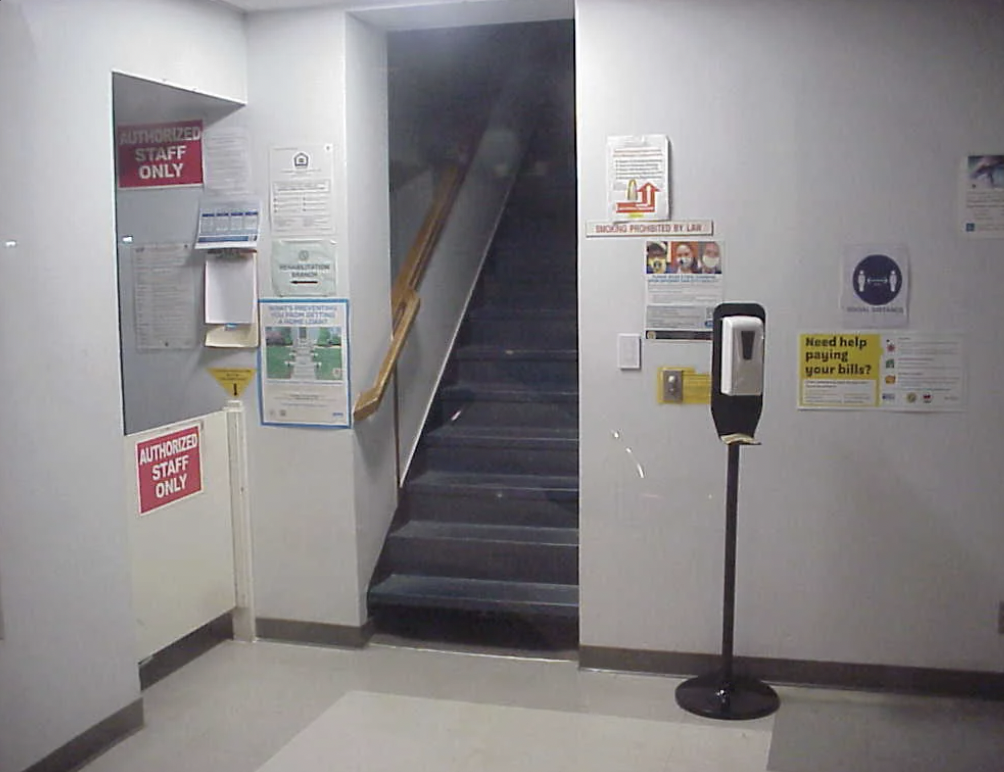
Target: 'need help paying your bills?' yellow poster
[892,371]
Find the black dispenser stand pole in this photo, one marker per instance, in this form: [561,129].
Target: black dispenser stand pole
[722,694]
[729,595]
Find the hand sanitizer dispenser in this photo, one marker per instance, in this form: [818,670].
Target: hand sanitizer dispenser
[742,356]
[736,401]
[737,367]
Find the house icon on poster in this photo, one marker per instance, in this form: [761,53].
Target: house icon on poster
[301,161]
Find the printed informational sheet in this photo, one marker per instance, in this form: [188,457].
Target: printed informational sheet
[228,224]
[231,287]
[303,361]
[638,177]
[683,284]
[226,157]
[165,297]
[302,190]
[304,269]
[981,196]
[159,155]
[914,372]
[875,288]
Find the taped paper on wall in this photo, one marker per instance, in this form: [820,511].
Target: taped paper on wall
[981,196]
[228,224]
[638,177]
[875,289]
[164,297]
[683,284]
[304,269]
[912,372]
[231,287]
[301,190]
[303,362]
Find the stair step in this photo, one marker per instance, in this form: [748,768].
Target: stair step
[540,315]
[510,404]
[508,354]
[477,595]
[503,450]
[524,327]
[510,392]
[523,438]
[528,366]
[558,291]
[536,264]
[493,499]
[475,551]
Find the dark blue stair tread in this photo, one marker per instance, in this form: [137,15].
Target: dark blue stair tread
[496,485]
[477,594]
[476,532]
[499,352]
[553,438]
[510,392]
[532,313]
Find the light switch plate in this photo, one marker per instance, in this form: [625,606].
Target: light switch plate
[629,351]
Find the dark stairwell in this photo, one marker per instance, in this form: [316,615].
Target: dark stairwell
[484,547]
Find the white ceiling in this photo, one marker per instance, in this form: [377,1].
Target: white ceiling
[285,5]
[416,14]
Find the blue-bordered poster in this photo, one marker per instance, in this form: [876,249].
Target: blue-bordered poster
[304,363]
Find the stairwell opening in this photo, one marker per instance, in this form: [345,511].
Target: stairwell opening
[483,549]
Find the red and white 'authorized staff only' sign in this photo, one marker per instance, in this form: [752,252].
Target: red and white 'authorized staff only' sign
[160,154]
[169,468]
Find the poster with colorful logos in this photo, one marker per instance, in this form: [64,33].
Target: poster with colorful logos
[913,372]
[303,363]
[638,177]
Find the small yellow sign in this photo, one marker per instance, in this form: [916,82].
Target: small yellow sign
[696,388]
[233,379]
[840,369]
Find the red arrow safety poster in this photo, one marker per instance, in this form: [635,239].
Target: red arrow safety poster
[638,177]
[160,155]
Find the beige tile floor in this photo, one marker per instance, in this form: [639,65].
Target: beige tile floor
[282,708]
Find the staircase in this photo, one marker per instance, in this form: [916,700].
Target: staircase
[485,541]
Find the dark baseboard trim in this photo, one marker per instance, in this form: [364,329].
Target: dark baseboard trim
[183,651]
[95,741]
[841,675]
[314,633]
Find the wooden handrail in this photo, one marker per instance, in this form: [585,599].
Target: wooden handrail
[369,401]
[405,300]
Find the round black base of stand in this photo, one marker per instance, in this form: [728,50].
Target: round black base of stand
[738,699]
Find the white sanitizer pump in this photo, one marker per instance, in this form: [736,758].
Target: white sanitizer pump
[742,356]
[737,373]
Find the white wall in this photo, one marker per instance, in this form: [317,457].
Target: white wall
[367,241]
[63,552]
[799,127]
[303,480]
